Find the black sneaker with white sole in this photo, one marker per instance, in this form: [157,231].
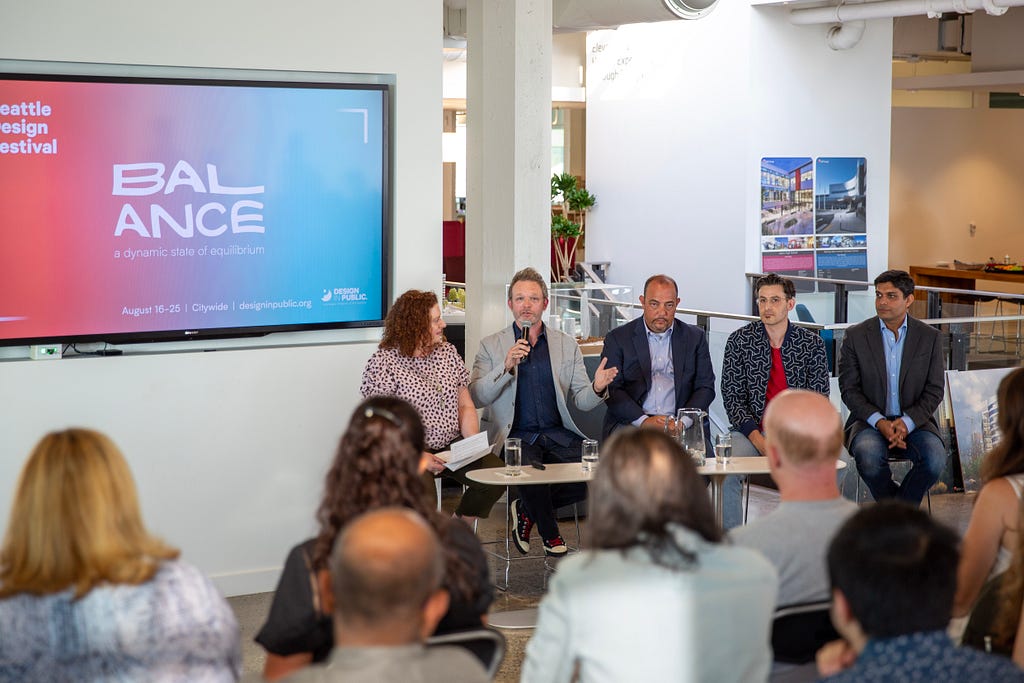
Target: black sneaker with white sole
[521,526]
[555,546]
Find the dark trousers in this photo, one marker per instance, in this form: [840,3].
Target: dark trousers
[478,498]
[542,501]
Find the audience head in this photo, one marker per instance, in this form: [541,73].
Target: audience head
[377,464]
[413,323]
[386,571]
[894,293]
[802,430]
[893,572]
[75,521]
[1007,457]
[660,299]
[646,484]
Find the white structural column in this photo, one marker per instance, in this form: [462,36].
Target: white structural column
[508,127]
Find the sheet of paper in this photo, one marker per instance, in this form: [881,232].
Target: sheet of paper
[466,451]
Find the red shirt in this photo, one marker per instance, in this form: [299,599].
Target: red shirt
[776,377]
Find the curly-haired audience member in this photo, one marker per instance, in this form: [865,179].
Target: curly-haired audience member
[378,464]
[659,596]
[416,363]
[87,593]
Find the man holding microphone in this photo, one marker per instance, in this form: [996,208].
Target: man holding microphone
[522,378]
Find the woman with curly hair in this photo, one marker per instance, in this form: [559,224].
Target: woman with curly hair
[87,593]
[991,538]
[378,464]
[415,362]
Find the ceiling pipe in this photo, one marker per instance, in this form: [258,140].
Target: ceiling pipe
[588,15]
[846,35]
[888,9]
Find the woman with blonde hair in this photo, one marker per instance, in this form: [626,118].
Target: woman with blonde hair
[87,593]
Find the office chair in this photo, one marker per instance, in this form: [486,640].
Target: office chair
[485,643]
[799,631]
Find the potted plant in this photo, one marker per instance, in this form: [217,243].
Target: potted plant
[568,222]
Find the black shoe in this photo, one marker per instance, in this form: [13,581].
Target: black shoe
[521,526]
[555,546]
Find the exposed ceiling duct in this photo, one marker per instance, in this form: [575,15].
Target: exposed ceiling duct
[588,15]
[850,18]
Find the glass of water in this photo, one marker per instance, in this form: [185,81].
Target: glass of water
[589,457]
[723,448]
[513,457]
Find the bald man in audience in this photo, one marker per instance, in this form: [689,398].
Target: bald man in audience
[385,592]
[803,439]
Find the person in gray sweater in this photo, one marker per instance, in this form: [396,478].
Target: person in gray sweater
[804,439]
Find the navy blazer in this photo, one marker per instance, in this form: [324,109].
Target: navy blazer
[627,349]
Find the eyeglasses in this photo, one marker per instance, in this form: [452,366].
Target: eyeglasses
[774,301]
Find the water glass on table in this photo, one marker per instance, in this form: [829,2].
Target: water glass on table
[589,455]
[723,449]
[513,457]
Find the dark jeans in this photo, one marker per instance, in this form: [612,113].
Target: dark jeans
[542,501]
[926,453]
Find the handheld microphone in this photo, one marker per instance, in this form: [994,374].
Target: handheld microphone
[526,325]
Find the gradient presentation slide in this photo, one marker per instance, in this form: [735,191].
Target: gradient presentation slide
[133,207]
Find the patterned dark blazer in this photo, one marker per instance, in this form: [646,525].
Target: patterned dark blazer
[748,360]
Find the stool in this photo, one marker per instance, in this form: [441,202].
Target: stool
[896,460]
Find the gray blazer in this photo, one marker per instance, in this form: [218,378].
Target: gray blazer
[494,390]
[862,379]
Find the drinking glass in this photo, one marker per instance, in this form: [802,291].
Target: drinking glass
[589,455]
[723,448]
[513,457]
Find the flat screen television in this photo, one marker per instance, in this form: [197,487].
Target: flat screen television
[152,209]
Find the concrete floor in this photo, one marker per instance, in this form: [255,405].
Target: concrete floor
[528,576]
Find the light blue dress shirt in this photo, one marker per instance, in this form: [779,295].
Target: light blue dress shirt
[661,399]
[893,362]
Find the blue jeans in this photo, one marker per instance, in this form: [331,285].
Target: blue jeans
[925,450]
[732,489]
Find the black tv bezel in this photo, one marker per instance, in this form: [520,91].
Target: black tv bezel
[319,81]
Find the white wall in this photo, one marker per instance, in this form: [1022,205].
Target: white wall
[950,168]
[679,115]
[229,448]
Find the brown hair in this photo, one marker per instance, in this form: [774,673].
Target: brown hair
[377,465]
[75,521]
[1011,594]
[528,275]
[1007,456]
[771,280]
[646,484]
[407,327]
